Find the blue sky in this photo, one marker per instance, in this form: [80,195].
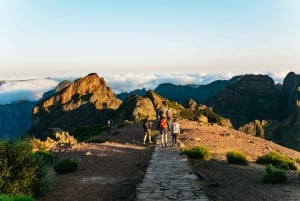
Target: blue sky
[74,38]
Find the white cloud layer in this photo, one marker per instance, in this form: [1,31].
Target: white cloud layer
[33,89]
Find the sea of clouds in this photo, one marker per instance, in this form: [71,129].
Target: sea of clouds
[33,89]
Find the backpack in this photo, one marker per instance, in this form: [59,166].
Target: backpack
[163,124]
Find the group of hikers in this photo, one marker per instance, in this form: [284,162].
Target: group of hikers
[165,124]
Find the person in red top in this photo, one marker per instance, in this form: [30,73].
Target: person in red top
[163,127]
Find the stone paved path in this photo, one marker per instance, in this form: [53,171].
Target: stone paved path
[169,177]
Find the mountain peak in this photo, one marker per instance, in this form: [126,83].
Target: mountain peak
[79,103]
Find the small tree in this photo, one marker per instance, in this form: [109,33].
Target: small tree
[21,172]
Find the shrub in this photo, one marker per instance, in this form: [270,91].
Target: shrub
[197,152]
[277,160]
[16,198]
[45,155]
[236,157]
[65,165]
[21,172]
[274,175]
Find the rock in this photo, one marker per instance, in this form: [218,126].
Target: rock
[83,102]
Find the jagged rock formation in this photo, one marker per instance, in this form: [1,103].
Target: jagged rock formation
[258,107]
[204,115]
[288,132]
[135,108]
[252,97]
[85,101]
[161,103]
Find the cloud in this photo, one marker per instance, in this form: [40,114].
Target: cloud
[128,82]
[33,89]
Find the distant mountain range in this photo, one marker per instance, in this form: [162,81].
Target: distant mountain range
[242,99]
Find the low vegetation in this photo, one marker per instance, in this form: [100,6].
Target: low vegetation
[22,172]
[277,160]
[198,152]
[274,175]
[65,165]
[236,157]
[45,155]
[87,132]
[16,198]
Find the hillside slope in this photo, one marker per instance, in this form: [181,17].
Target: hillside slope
[227,182]
[110,170]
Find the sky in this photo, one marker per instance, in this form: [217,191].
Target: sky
[145,42]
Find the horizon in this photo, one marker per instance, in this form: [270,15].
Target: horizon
[33,89]
[54,38]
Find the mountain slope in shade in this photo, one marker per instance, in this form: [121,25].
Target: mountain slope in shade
[15,118]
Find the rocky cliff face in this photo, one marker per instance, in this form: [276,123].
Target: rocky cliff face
[252,97]
[288,132]
[258,107]
[87,100]
[15,118]
[136,108]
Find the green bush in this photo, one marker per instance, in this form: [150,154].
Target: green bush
[45,155]
[21,171]
[274,175]
[16,198]
[236,157]
[197,152]
[277,160]
[65,165]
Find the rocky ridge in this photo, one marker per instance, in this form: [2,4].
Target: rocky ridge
[86,101]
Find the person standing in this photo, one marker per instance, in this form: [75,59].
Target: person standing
[169,114]
[147,130]
[175,130]
[163,128]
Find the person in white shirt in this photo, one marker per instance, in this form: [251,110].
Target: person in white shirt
[175,130]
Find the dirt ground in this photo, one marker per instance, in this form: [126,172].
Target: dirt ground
[227,182]
[111,170]
[107,171]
